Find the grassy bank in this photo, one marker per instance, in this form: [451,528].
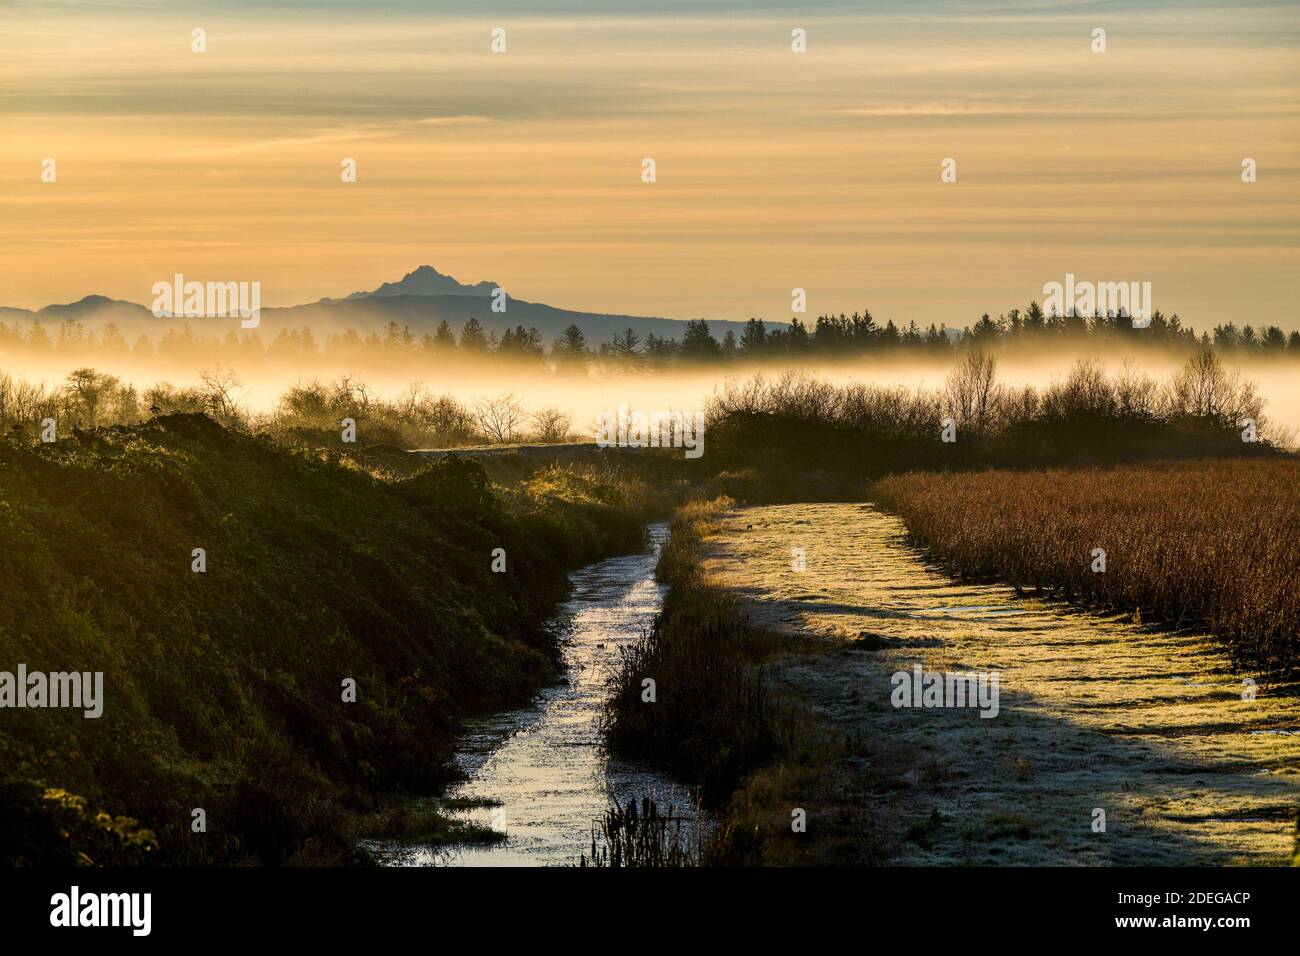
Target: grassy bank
[223,689]
[1204,543]
[711,719]
[719,723]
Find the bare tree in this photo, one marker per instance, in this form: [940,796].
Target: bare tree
[1205,389]
[219,385]
[972,391]
[499,418]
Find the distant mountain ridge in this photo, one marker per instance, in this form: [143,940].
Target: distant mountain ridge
[420,301]
[426,280]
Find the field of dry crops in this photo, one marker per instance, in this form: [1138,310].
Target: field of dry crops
[1214,544]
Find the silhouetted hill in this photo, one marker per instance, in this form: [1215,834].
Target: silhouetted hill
[419,301]
[95,308]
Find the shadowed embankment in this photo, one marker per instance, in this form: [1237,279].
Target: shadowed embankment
[223,689]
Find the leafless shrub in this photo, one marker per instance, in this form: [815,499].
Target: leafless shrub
[1136,394]
[219,385]
[552,425]
[451,421]
[499,417]
[24,404]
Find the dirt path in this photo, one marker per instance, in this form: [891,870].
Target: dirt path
[1094,712]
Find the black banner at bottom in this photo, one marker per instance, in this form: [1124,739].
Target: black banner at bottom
[332,906]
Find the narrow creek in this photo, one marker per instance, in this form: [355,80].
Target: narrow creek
[543,766]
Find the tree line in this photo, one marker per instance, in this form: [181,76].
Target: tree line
[826,337]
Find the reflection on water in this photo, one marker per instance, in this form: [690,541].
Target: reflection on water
[544,762]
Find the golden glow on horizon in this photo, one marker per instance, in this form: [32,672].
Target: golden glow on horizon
[775,170]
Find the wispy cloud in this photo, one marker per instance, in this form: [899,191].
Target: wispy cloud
[775,170]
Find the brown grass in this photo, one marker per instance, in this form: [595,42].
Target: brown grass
[1210,543]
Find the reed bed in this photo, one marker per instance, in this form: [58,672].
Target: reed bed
[1205,543]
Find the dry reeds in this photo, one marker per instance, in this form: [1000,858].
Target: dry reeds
[632,837]
[1212,543]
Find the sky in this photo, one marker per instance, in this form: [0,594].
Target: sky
[774,169]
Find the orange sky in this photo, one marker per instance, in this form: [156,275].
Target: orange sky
[775,169]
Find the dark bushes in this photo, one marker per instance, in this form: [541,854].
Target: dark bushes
[46,827]
[813,440]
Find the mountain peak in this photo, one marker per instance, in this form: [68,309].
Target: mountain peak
[426,280]
[88,305]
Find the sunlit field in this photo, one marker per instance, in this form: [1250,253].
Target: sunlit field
[1206,544]
[1114,744]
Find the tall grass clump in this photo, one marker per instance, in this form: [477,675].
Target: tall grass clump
[1208,543]
[713,719]
[628,837]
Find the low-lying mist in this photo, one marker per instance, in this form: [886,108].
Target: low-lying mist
[258,386]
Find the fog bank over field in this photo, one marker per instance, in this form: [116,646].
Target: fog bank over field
[584,396]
